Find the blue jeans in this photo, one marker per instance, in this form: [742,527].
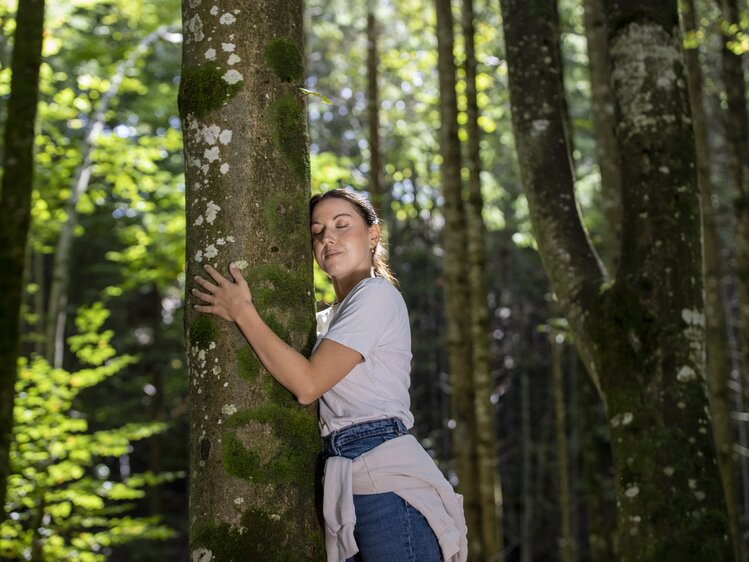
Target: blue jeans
[388,528]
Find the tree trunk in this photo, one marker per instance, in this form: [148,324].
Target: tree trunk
[567,542]
[526,524]
[56,315]
[718,364]
[459,345]
[602,109]
[642,336]
[253,448]
[376,179]
[490,491]
[737,130]
[15,209]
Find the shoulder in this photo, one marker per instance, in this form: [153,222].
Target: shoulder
[376,289]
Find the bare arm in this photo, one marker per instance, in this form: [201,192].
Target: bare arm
[307,379]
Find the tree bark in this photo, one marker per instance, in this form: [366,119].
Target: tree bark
[718,361]
[602,109]
[253,448]
[641,336]
[15,209]
[459,345]
[490,491]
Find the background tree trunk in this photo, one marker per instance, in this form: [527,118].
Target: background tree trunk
[642,336]
[15,209]
[602,109]
[718,365]
[252,447]
[376,179]
[490,491]
[459,345]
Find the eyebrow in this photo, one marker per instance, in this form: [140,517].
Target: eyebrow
[334,218]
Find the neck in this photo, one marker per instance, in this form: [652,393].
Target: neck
[343,287]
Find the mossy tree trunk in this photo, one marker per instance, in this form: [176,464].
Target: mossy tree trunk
[490,489]
[15,209]
[253,449]
[718,361]
[642,335]
[459,345]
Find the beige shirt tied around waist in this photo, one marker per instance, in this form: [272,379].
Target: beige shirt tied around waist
[400,465]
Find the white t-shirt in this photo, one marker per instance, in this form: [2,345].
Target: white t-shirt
[372,320]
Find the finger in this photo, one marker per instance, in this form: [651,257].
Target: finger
[201,308]
[215,275]
[207,285]
[203,296]
[236,274]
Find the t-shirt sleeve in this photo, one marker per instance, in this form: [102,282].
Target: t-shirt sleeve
[363,317]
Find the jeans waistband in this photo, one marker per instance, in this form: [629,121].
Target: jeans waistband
[389,428]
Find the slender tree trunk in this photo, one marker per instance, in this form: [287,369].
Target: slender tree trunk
[602,106]
[376,179]
[56,315]
[15,210]
[459,345]
[737,129]
[253,448]
[567,541]
[490,492]
[718,365]
[526,523]
[642,336]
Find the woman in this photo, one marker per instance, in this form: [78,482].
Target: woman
[384,497]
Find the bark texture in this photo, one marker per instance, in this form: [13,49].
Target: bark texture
[15,209]
[459,345]
[718,360]
[641,336]
[253,449]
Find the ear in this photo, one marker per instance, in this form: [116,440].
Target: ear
[374,235]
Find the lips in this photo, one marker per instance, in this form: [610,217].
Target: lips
[331,254]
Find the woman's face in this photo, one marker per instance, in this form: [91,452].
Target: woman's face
[341,240]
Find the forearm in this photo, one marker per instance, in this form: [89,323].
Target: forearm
[284,363]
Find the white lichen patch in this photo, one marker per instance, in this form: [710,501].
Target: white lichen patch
[233,59]
[692,483]
[201,555]
[198,221]
[195,27]
[230,239]
[627,418]
[211,133]
[229,409]
[540,125]
[686,374]
[225,136]
[211,251]
[228,47]
[199,256]
[211,154]
[239,500]
[227,19]
[224,168]
[211,210]
[632,491]
[232,76]
[241,265]
[210,54]
[214,10]
[693,317]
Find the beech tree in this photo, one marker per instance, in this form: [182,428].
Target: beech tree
[15,208]
[252,447]
[641,334]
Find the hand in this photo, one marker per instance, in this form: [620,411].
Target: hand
[225,298]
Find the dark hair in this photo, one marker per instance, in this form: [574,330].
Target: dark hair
[365,209]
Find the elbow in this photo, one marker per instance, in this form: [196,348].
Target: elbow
[306,399]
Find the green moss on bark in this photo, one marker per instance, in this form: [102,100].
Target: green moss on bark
[290,133]
[202,332]
[285,58]
[248,365]
[292,463]
[203,90]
